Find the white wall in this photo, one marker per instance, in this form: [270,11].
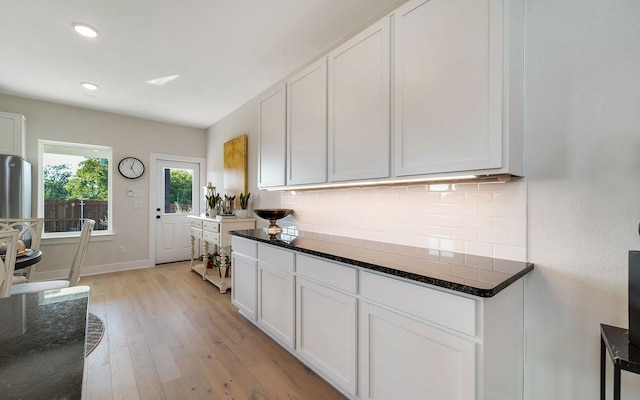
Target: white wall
[583,159]
[244,120]
[583,166]
[128,137]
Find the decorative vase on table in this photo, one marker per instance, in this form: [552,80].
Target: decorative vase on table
[272,215]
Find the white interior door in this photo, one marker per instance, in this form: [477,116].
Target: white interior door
[177,195]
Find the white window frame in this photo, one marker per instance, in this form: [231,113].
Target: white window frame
[62,235]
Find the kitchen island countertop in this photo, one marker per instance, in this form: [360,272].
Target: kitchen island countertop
[465,273]
[42,344]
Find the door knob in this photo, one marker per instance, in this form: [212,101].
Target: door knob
[157,217]
[158,209]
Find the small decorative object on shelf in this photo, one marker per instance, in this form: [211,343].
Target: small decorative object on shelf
[272,215]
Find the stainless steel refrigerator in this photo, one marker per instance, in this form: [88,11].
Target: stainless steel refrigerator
[15,187]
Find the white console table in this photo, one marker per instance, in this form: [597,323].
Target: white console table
[215,232]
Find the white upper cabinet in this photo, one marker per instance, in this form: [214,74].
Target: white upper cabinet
[273,146]
[359,97]
[458,87]
[12,136]
[307,125]
[433,90]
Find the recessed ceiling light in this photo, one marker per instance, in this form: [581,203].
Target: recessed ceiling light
[85,30]
[89,85]
[163,80]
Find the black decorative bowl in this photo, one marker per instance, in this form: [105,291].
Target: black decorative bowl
[272,215]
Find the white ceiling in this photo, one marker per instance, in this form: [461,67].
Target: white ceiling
[225,51]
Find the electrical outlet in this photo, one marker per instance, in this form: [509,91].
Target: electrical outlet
[121,249]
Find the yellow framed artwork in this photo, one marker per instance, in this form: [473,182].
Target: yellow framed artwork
[235,166]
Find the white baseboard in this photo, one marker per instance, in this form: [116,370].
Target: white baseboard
[92,270]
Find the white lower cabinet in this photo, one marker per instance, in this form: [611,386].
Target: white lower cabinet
[403,358]
[326,332]
[276,302]
[374,336]
[244,273]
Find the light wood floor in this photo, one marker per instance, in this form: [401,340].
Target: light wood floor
[171,335]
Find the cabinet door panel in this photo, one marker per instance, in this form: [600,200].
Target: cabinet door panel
[244,288]
[326,331]
[447,87]
[273,133]
[276,302]
[407,359]
[359,130]
[12,134]
[307,126]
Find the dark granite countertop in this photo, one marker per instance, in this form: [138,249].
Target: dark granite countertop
[623,353]
[475,275]
[42,344]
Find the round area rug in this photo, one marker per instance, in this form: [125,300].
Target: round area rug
[95,331]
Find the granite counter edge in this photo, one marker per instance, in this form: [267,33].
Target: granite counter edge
[458,287]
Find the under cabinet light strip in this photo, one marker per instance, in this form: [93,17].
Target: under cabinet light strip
[453,179]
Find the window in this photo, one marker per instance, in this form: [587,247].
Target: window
[178,189]
[75,183]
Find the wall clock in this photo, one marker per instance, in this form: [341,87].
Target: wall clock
[131,168]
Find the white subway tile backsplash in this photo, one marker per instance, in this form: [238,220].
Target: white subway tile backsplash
[478,197]
[501,210]
[464,234]
[453,221]
[510,252]
[452,197]
[517,239]
[479,219]
[452,245]
[509,197]
[464,209]
[473,222]
[510,224]
[439,232]
[480,249]
[494,237]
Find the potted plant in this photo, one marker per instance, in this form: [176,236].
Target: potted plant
[227,204]
[244,205]
[215,260]
[213,200]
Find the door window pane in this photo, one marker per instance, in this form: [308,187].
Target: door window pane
[178,190]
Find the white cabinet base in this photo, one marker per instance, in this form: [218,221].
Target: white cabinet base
[276,303]
[408,359]
[326,331]
[244,294]
[376,336]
